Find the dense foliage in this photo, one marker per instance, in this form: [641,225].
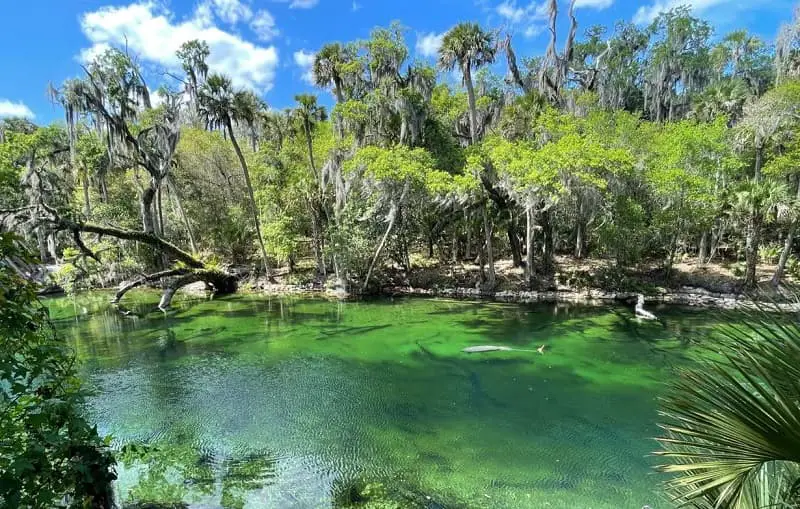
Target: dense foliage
[49,453]
[637,144]
[645,144]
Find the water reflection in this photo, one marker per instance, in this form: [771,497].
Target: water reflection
[293,403]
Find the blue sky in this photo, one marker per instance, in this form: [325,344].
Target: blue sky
[267,45]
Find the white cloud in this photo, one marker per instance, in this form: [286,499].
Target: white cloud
[305,60]
[356,6]
[428,45]
[511,12]
[263,24]
[153,34]
[11,109]
[300,4]
[647,13]
[594,4]
[231,11]
[528,16]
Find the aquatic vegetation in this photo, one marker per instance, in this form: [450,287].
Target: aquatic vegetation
[274,402]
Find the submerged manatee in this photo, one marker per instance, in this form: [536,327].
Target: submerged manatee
[494,348]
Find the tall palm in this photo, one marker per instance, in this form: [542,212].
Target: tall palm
[327,68]
[249,109]
[307,114]
[469,47]
[218,103]
[732,423]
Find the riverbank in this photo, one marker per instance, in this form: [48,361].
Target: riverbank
[574,281]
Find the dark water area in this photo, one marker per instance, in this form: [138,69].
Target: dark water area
[287,402]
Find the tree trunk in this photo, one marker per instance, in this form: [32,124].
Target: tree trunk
[787,250]
[579,239]
[468,243]
[529,246]
[787,246]
[315,240]
[549,242]
[87,206]
[473,121]
[392,216]
[41,240]
[487,228]
[160,206]
[702,250]
[751,250]
[253,206]
[310,148]
[513,240]
[758,164]
[51,246]
[454,249]
[146,209]
[185,220]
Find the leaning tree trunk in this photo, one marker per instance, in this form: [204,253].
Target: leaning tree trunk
[253,206]
[473,121]
[185,220]
[488,230]
[787,246]
[381,245]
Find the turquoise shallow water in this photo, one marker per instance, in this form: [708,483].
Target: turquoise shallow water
[290,403]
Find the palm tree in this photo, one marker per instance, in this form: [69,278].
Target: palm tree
[723,98]
[327,68]
[306,116]
[467,46]
[756,203]
[218,103]
[732,423]
[249,109]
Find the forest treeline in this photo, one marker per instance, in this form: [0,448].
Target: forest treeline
[630,143]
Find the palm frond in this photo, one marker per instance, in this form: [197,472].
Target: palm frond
[732,423]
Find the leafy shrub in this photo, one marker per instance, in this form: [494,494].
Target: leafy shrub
[49,453]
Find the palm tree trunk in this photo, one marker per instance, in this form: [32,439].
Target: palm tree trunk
[751,250]
[310,148]
[473,121]
[253,207]
[758,164]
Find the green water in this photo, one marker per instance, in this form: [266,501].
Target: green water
[259,402]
